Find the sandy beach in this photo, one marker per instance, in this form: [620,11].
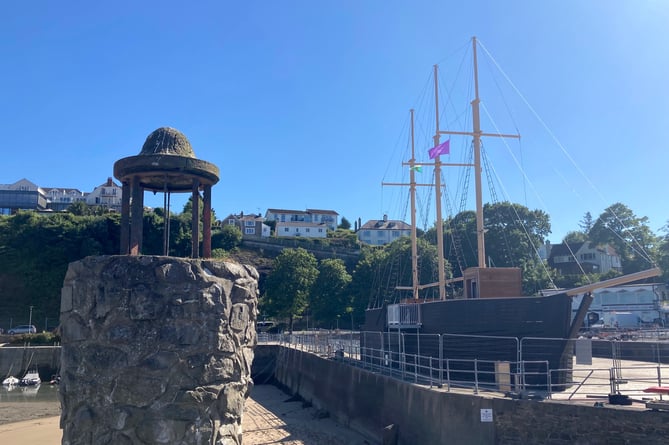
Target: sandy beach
[270,417]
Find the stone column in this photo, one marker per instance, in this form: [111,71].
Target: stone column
[136,216]
[195,222]
[206,222]
[125,219]
[156,350]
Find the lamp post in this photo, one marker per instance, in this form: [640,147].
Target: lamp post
[30,320]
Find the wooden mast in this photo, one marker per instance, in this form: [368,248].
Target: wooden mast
[476,133]
[412,191]
[437,187]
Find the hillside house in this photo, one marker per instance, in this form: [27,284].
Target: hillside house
[378,232]
[592,258]
[311,223]
[22,195]
[251,225]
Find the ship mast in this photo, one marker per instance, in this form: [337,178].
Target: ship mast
[415,285]
[476,133]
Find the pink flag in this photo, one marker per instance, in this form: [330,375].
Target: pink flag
[441,149]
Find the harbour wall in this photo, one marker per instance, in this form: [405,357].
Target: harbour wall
[371,403]
[15,360]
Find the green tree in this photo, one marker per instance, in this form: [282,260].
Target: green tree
[330,296]
[228,237]
[288,285]
[663,252]
[629,234]
[575,237]
[586,223]
[344,224]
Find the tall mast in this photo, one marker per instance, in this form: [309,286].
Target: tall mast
[476,120]
[437,187]
[415,285]
[476,133]
[412,191]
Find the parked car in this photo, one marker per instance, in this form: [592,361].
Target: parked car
[23,329]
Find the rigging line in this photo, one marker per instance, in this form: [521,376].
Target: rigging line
[534,247]
[515,160]
[536,192]
[495,200]
[643,254]
[554,137]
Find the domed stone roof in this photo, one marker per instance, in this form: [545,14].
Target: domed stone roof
[167,141]
[166,163]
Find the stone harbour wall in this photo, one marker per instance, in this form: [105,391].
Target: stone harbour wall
[156,350]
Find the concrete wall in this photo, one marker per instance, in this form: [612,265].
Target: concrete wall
[15,360]
[368,402]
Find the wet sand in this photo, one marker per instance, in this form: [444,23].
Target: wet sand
[270,417]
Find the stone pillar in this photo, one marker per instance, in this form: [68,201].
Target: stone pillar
[195,221]
[206,222]
[136,216]
[156,350]
[125,219]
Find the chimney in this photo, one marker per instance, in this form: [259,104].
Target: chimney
[385,218]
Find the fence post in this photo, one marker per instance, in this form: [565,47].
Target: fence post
[476,376]
[441,360]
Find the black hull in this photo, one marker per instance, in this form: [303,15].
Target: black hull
[534,329]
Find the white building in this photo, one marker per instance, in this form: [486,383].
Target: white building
[311,223]
[107,195]
[627,306]
[378,232]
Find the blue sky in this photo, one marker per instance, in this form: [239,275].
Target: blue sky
[304,104]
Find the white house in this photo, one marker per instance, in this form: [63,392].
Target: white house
[383,231]
[295,222]
[303,229]
[571,258]
[106,195]
[61,198]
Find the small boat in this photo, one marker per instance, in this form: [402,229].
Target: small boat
[10,381]
[31,379]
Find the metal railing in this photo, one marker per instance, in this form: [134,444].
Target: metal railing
[412,357]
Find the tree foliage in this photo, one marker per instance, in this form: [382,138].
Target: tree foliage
[630,235]
[344,224]
[229,237]
[288,286]
[329,295]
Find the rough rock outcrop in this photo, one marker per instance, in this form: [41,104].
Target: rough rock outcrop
[156,350]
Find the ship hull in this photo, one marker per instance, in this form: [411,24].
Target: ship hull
[527,329]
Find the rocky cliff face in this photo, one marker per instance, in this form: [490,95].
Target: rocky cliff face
[156,350]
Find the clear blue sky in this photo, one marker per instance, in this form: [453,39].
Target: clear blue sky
[304,104]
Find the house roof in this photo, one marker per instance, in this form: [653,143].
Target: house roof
[297,212]
[322,212]
[303,212]
[390,224]
[563,249]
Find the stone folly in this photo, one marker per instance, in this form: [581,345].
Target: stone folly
[156,350]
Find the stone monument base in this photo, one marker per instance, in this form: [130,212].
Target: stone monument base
[156,350]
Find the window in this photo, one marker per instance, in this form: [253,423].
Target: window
[587,256]
[396,233]
[307,230]
[320,230]
[250,223]
[250,231]
[285,229]
[231,222]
